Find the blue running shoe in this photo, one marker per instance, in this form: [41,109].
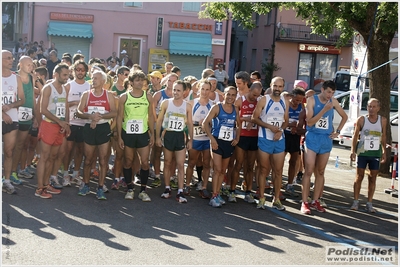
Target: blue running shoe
[14,179]
[100,194]
[84,190]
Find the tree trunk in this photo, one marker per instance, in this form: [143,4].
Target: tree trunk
[378,54]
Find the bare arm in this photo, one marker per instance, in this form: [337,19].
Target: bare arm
[120,116]
[189,124]
[164,106]
[207,125]
[150,119]
[359,124]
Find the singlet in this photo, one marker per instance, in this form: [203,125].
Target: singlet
[163,96]
[57,103]
[199,113]
[25,112]
[246,110]
[223,126]
[175,117]
[323,125]
[9,91]
[294,115]
[136,114]
[216,99]
[75,92]
[273,113]
[370,138]
[99,104]
[115,89]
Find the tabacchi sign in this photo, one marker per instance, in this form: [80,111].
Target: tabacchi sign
[320,49]
[190,26]
[71,17]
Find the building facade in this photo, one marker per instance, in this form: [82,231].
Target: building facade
[151,32]
[281,38]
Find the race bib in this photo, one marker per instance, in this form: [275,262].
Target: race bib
[94,109]
[198,132]
[8,97]
[24,114]
[225,133]
[275,121]
[134,127]
[290,121]
[245,123]
[176,123]
[72,114]
[371,142]
[322,124]
[60,110]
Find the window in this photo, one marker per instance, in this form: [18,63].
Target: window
[268,18]
[191,6]
[265,56]
[253,59]
[133,4]
[257,19]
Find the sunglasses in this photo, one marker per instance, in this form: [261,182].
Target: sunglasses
[125,74]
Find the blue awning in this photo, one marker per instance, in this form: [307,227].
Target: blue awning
[70,29]
[190,43]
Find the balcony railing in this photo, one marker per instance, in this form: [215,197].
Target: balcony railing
[298,32]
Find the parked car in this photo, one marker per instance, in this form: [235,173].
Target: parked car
[344,101]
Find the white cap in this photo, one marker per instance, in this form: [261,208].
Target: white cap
[79,51]
[123,52]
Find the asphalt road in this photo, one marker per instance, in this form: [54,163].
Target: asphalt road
[73,230]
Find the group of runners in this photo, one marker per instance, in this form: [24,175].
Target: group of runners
[72,120]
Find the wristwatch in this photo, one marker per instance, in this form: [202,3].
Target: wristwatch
[338,131]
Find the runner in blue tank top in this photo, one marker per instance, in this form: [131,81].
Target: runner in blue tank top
[318,144]
[224,136]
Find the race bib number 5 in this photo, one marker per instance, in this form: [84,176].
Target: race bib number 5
[134,127]
[371,142]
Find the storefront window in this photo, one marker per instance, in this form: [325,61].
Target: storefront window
[316,68]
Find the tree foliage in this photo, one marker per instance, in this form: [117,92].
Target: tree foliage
[323,18]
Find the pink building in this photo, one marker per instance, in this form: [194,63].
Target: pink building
[152,33]
[297,53]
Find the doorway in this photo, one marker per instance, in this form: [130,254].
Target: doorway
[132,47]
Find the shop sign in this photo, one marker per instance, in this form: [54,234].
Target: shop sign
[319,49]
[157,59]
[218,41]
[71,17]
[190,26]
[218,27]
[159,35]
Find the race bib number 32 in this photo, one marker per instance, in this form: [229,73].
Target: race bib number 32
[322,123]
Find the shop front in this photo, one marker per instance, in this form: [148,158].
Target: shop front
[317,63]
